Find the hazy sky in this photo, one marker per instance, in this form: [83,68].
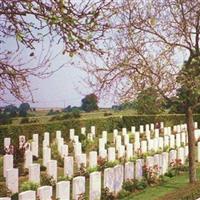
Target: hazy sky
[65,87]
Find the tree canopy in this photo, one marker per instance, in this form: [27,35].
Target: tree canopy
[89,103]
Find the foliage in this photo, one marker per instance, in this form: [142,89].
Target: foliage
[63,178]
[92,169]
[11,110]
[4,191]
[5,119]
[111,163]
[177,167]
[123,193]
[52,112]
[23,109]
[29,185]
[107,114]
[133,185]
[107,195]
[89,103]
[77,27]
[148,101]
[47,180]
[56,155]
[151,174]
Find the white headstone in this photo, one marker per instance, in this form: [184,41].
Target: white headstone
[46,155]
[71,134]
[109,179]
[178,140]
[27,195]
[129,151]
[7,142]
[139,169]
[144,146]
[45,192]
[119,178]
[28,159]
[172,156]
[121,151]
[52,169]
[111,154]
[12,180]
[181,155]
[64,150]
[129,171]
[95,186]
[172,141]
[92,159]
[78,187]
[69,166]
[83,130]
[63,190]
[34,148]
[81,160]
[34,173]
[7,163]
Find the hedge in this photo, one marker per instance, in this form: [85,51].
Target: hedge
[106,123]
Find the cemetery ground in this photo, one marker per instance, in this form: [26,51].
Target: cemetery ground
[143,162]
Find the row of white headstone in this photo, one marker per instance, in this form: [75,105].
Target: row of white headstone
[34,169]
[113,178]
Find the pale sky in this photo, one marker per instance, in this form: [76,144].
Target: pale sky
[65,87]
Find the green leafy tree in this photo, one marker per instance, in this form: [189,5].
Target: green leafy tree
[11,110]
[23,109]
[90,103]
[149,102]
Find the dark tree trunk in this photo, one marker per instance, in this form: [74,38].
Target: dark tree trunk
[191,144]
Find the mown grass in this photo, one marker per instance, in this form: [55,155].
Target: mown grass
[158,192]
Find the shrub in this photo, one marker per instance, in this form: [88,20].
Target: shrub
[92,169]
[107,114]
[64,178]
[129,185]
[47,180]
[123,193]
[4,191]
[24,120]
[29,185]
[111,163]
[107,195]
[42,168]
[151,174]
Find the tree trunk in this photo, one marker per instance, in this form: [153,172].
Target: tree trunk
[191,144]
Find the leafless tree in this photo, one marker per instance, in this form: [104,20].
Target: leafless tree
[77,25]
[144,48]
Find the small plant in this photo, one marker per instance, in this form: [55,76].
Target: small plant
[123,193]
[141,185]
[129,185]
[101,163]
[82,171]
[178,167]
[42,168]
[107,195]
[64,178]
[151,174]
[29,185]
[111,163]
[166,149]
[47,180]
[92,169]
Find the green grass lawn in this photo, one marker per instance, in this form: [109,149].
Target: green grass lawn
[157,192]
